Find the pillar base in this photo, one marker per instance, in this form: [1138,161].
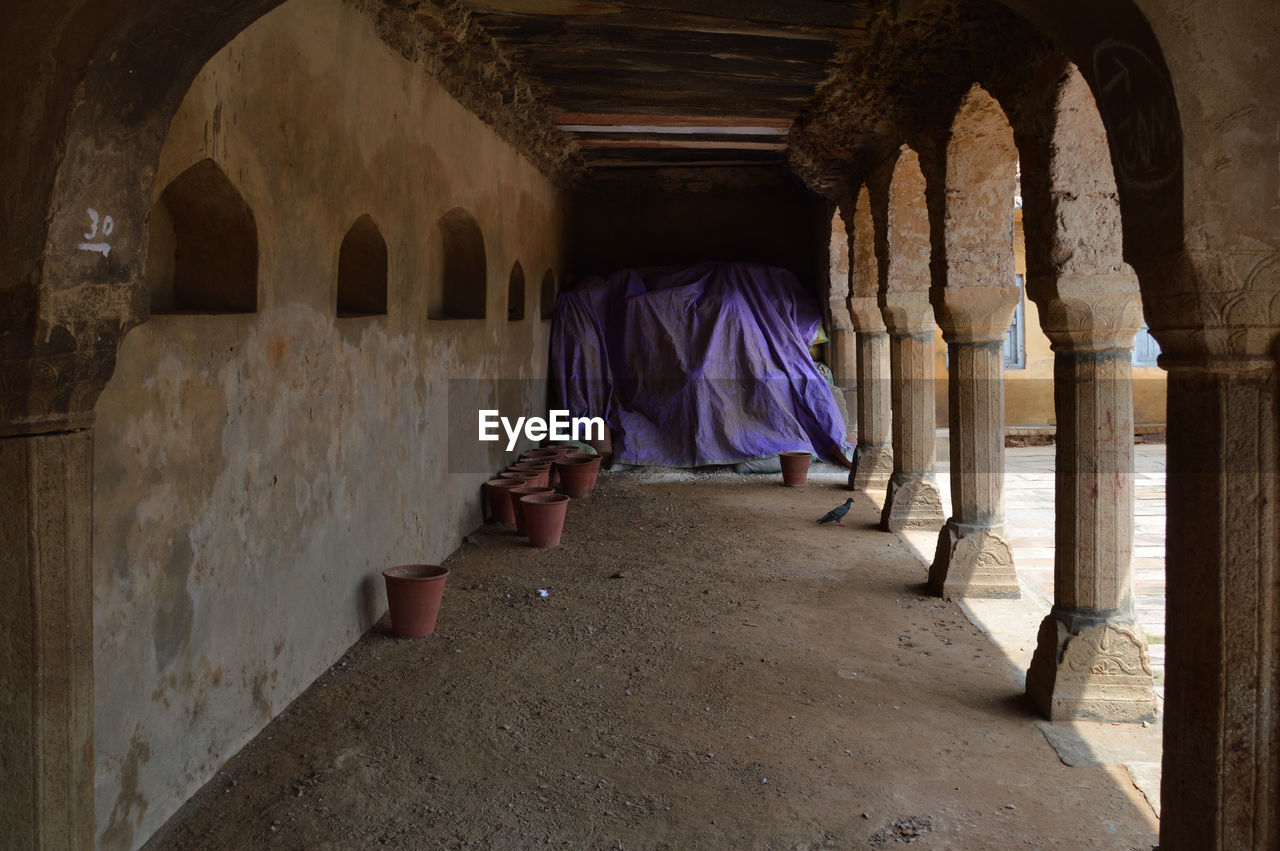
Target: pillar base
[972,562]
[872,467]
[1102,673]
[911,504]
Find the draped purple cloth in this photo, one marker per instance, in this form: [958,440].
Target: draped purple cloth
[692,366]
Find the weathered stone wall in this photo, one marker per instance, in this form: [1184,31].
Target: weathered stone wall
[255,471]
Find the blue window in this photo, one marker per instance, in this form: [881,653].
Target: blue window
[1145,348]
[1015,344]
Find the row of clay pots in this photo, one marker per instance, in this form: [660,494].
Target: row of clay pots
[522,495]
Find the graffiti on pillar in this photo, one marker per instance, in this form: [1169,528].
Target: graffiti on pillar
[1137,103]
[99,229]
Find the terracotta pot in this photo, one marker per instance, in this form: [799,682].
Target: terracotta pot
[544,515]
[413,594]
[577,476]
[548,455]
[530,477]
[532,467]
[499,491]
[516,493]
[593,460]
[795,468]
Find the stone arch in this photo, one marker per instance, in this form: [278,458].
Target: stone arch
[838,278]
[1072,217]
[841,351]
[203,245]
[109,131]
[864,271]
[905,251]
[362,270]
[1119,57]
[981,181]
[515,293]
[462,289]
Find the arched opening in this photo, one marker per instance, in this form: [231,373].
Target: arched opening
[906,252]
[362,270]
[515,293]
[982,181]
[912,499]
[874,459]
[841,351]
[864,271]
[548,297]
[203,253]
[463,286]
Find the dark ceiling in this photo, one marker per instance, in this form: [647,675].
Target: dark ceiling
[645,83]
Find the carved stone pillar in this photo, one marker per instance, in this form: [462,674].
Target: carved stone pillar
[1091,656]
[46,638]
[1220,334]
[911,499]
[873,461]
[973,557]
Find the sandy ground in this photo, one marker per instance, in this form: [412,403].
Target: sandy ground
[708,669]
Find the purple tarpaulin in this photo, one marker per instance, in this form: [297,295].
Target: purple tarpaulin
[707,364]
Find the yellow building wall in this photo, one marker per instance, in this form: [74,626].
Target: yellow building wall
[1028,393]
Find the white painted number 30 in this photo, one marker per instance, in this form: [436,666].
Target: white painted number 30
[99,228]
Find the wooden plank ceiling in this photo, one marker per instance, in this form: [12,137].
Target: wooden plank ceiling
[651,83]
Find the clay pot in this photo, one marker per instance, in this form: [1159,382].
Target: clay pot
[414,592]
[541,455]
[516,493]
[499,491]
[539,480]
[544,515]
[594,460]
[795,468]
[577,476]
[532,467]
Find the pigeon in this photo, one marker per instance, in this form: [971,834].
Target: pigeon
[837,514]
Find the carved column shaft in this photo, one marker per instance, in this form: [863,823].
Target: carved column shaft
[912,499]
[46,636]
[873,463]
[914,422]
[1221,783]
[1091,657]
[973,558]
[1093,395]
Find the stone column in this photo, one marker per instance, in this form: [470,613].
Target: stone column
[843,365]
[873,461]
[1091,656]
[1221,782]
[973,557]
[46,638]
[911,499]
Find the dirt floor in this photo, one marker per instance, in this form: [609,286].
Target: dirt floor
[709,668]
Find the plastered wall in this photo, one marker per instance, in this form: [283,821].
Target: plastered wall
[254,472]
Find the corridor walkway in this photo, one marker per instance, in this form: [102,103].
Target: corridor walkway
[708,668]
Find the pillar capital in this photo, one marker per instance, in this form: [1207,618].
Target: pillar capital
[907,313]
[840,318]
[1088,312]
[865,311]
[979,314]
[1215,302]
